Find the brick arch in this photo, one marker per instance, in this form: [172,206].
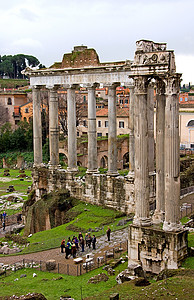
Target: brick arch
[104,162]
[126,160]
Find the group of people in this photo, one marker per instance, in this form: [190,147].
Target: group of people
[3,217]
[72,246]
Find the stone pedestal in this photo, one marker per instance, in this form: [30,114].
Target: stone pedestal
[156,249]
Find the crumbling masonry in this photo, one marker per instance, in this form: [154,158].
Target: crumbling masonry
[155,249]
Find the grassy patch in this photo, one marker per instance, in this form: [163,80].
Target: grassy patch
[52,289]
[185,220]
[88,217]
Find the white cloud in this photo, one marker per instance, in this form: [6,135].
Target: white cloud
[185,65]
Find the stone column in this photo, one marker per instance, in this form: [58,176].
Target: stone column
[150,112]
[53,128]
[92,135]
[112,131]
[72,136]
[131,133]
[141,187]
[37,126]
[172,155]
[158,216]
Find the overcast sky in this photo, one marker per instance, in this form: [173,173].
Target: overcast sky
[49,28]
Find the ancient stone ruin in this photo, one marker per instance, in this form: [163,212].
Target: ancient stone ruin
[152,247]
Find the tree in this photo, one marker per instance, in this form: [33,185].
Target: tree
[12,66]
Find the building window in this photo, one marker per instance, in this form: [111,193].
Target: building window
[106,133]
[84,123]
[106,123]
[77,133]
[190,123]
[26,110]
[121,101]
[121,124]
[84,98]
[181,99]
[186,99]
[9,101]
[99,133]
[126,101]
[99,123]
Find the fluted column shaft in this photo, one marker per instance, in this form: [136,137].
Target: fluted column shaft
[172,156]
[72,137]
[92,137]
[131,132]
[112,131]
[37,126]
[53,128]
[160,153]
[141,187]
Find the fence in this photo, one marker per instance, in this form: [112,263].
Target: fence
[71,269]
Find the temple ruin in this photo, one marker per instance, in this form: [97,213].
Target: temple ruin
[154,248]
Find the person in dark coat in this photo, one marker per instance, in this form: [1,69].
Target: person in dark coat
[108,233]
[94,242]
[82,242]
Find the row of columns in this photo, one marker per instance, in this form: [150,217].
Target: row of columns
[167,152]
[72,136]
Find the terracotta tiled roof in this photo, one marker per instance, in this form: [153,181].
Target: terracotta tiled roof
[121,112]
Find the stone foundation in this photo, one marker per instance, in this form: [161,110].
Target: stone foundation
[100,189]
[156,249]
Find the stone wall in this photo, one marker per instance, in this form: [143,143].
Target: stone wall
[100,189]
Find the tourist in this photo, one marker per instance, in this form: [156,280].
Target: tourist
[3,225]
[89,240]
[76,242]
[62,245]
[79,236]
[86,239]
[82,243]
[108,233]
[94,242]
[68,248]
[73,249]
[4,215]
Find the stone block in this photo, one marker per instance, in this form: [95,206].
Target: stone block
[50,265]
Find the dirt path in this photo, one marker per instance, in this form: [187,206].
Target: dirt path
[102,245]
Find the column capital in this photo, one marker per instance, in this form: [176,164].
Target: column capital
[71,86]
[53,87]
[91,85]
[172,83]
[160,87]
[112,85]
[141,84]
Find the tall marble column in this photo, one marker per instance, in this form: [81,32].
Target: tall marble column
[150,111]
[72,136]
[112,131]
[131,133]
[172,156]
[53,128]
[158,216]
[141,187]
[92,135]
[37,126]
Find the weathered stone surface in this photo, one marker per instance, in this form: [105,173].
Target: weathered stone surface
[51,265]
[98,278]
[33,296]
[141,281]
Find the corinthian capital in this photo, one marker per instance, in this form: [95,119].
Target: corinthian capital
[173,84]
[141,84]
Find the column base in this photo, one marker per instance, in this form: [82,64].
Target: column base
[72,170]
[158,217]
[130,176]
[142,221]
[156,249]
[40,165]
[175,227]
[95,171]
[113,174]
